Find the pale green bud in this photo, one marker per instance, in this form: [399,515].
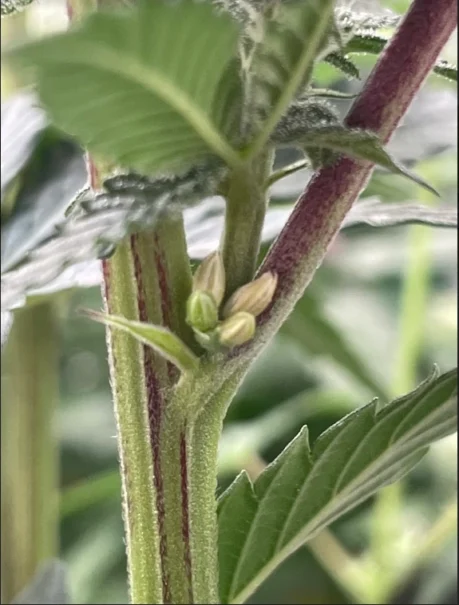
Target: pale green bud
[201,311]
[237,329]
[210,277]
[254,297]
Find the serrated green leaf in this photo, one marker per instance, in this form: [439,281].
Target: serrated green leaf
[345,65]
[305,490]
[446,70]
[141,87]
[283,61]
[366,43]
[314,127]
[360,144]
[160,339]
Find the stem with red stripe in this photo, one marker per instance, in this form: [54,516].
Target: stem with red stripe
[146,280]
[149,279]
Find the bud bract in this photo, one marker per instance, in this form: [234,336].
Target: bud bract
[201,311]
[254,297]
[208,340]
[237,329]
[210,277]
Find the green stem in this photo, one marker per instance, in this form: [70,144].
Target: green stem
[30,475]
[246,204]
[137,376]
[203,447]
[127,373]
[149,279]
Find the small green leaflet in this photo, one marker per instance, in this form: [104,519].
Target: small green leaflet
[315,128]
[360,144]
[345,65]
[357,143]
[447,70]
[147,88]
[160,339]
[305,489]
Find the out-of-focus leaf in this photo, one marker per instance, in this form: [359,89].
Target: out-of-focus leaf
[50,183]
[12,6]
[92,491]
[49,587]
[155,106]
[376,214]
[160,339]
[429,127]
[204,225]
[95,553]
[90,234]
[243,12]
[434,583]
[364,19]
[7,322]
[303,490]
[329,94]
[22,123]
[369,260]
[313,330]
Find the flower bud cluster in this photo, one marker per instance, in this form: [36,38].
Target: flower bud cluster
[234,324]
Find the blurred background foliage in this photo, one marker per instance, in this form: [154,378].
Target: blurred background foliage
[380,313]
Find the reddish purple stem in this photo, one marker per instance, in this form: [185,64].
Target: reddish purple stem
[387,94]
